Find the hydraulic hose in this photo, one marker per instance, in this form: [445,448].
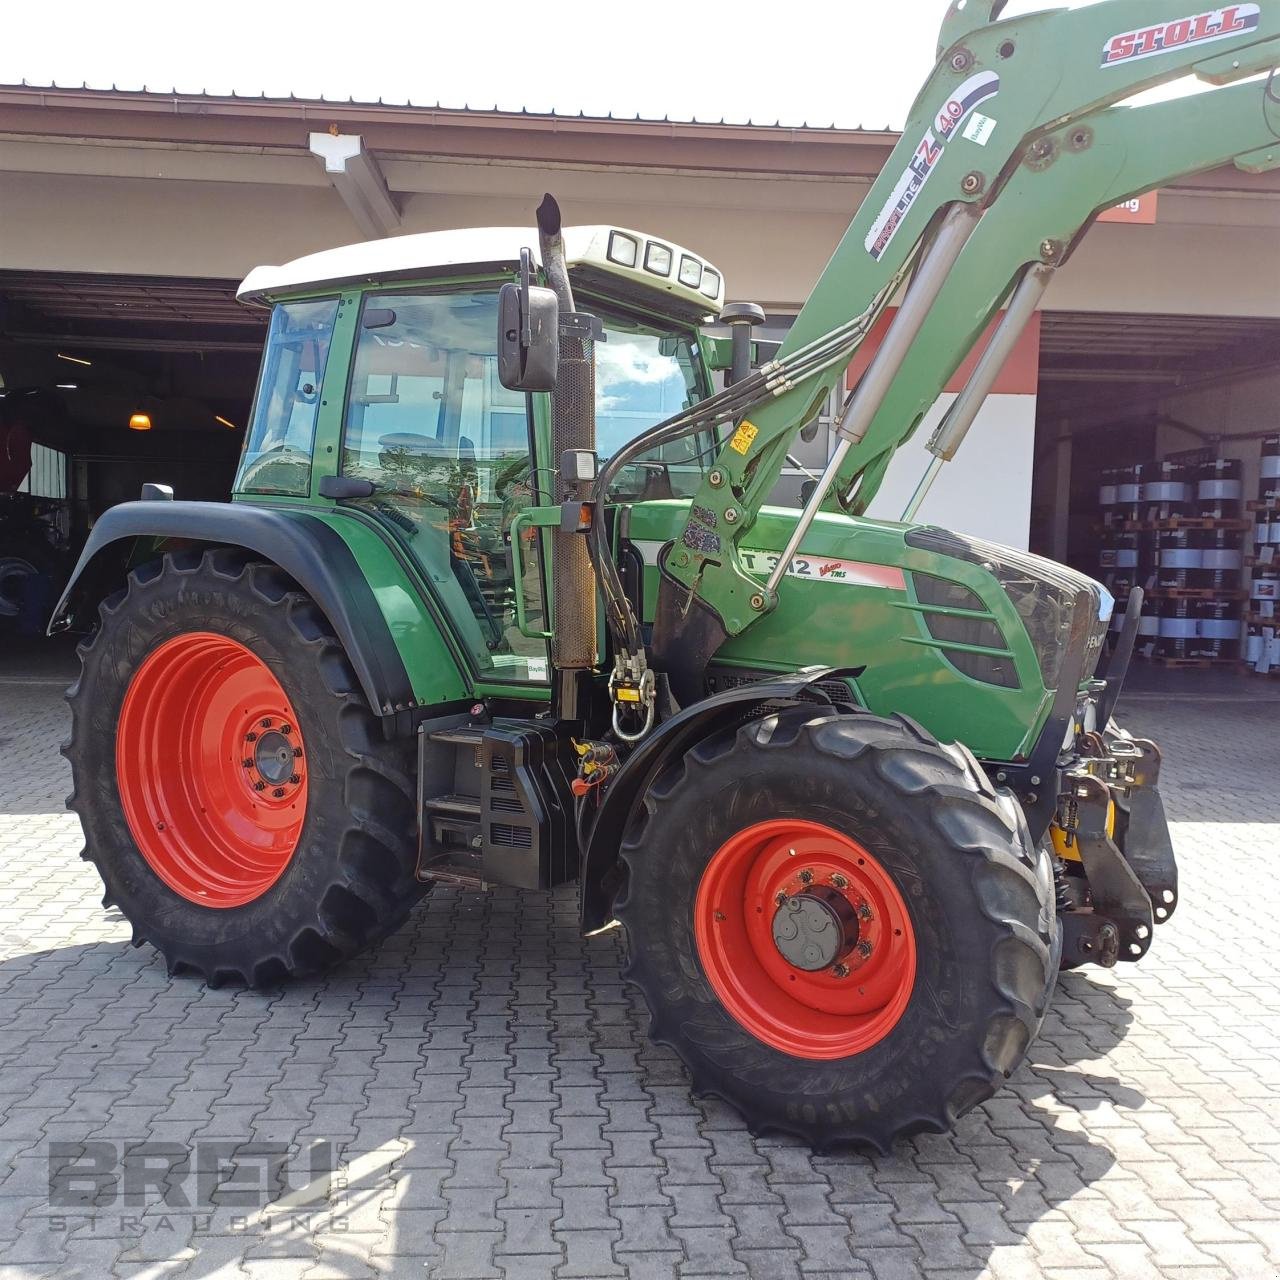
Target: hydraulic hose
[734,402]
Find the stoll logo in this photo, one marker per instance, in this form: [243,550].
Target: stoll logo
[1165,37]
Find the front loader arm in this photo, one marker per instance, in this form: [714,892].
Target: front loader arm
[996,90]
[1067,178]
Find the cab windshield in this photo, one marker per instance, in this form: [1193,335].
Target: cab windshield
[643,376]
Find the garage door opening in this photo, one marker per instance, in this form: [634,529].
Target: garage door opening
[108,382]
[1158,465]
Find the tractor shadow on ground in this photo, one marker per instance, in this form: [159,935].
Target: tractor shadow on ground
[1009,1164]
[489,996]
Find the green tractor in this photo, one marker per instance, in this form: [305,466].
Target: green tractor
[498,600]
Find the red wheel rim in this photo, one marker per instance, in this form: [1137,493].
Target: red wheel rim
[841,1009]
[211,770]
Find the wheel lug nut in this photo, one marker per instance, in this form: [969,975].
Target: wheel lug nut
[295,778]
[246,763]
[841,971]
[864,911]
[251,737]
[278,792]
[839,882]
[286,729]
[864,948]
[806,877]
[297,753]
[266,723]
[779,899]
[259,786]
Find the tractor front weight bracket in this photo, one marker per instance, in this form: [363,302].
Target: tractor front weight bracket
[1118,895]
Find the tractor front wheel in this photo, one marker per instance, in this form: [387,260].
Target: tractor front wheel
[237,794]
[840,925]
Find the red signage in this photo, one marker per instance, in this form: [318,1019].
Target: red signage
[1140,211]
[1019,377]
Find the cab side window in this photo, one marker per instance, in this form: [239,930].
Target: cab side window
[447,447]
[277,446]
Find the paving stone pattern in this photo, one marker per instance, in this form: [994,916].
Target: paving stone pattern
[498,1110]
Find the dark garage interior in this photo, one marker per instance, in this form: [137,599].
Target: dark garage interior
[107,382]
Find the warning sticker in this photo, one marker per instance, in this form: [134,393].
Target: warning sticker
[744,437]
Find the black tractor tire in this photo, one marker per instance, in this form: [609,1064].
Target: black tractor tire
[28,563]
[978,894]
[350,880]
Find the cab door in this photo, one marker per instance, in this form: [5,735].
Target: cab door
[449,454]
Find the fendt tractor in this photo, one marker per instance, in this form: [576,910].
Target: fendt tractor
[498,601]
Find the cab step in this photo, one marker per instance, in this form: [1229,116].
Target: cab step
[462,735]
[467,807]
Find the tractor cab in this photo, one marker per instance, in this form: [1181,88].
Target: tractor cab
[380,389]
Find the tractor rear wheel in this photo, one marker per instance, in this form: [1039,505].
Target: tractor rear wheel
[237,795]
[840,925]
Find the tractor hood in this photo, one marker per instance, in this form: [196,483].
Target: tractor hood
[973,640]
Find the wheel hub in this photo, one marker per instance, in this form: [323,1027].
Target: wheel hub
[273,757]
[806,939]
[814,929]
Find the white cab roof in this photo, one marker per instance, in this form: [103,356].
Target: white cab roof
[593,250]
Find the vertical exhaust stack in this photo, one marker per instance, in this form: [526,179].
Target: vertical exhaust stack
[573,426]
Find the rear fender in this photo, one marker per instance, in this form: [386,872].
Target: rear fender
[671,740]
[305,547]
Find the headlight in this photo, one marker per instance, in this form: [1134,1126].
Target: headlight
[1059,608]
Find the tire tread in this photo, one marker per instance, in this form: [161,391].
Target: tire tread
[968,814]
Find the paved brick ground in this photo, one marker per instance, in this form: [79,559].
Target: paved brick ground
[500,1112]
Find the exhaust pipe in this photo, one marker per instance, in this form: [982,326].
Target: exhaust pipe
[573,426]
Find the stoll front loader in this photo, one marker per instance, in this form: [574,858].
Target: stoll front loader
[498,601]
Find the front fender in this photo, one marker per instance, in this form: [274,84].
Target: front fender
[309,549]
[672,739]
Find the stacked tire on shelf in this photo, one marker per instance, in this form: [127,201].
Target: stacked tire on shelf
[1174,527]
[1262,643]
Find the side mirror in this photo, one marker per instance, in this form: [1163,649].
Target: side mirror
[528,333]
